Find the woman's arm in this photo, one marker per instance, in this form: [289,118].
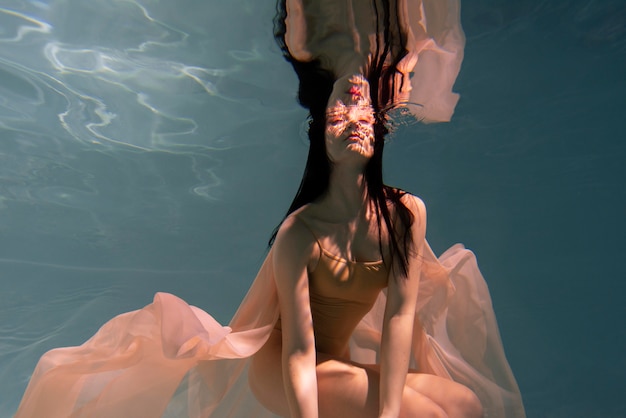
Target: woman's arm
[398,319]
[292,253]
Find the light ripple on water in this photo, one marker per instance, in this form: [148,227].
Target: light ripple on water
[104,104]
[111,75]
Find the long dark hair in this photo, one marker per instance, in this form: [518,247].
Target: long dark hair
[316,85]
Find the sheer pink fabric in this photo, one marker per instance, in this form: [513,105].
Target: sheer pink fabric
[170,359]
[341,32]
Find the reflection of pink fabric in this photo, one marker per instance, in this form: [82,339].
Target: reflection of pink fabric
[339,32]
[174,360]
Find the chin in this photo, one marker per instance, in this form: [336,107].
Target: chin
[360,148]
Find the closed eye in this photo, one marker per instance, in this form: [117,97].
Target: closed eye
[335,122]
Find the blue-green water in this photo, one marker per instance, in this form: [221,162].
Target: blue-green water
[153,145]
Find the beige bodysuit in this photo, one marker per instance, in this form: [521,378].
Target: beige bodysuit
[341,292]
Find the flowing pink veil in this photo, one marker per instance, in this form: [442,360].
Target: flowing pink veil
[171,359]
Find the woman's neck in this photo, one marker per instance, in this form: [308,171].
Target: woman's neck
[346,196]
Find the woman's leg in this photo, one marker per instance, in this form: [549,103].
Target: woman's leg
[265,376]
[424,395]
[456,400]
[349,390]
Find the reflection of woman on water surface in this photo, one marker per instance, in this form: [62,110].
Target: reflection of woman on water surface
[351,314]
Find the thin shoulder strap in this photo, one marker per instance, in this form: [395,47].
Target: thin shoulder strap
[319,244]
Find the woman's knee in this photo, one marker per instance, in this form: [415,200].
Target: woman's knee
[336,377]
[346,390]
[467,405]
[265,378]
[415,404]
[457,400]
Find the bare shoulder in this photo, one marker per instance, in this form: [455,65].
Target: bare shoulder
[415,205]
[294,242]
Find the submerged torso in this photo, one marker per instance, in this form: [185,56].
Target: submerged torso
[341,292]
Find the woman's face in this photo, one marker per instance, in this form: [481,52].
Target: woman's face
[350,121]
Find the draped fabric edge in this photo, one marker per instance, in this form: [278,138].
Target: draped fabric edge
[173,359]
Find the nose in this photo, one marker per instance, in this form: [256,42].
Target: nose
[353,125]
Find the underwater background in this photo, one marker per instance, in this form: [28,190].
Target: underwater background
[153,145]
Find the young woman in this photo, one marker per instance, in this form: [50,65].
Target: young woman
[351,314]
[332,257]
[348,236]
